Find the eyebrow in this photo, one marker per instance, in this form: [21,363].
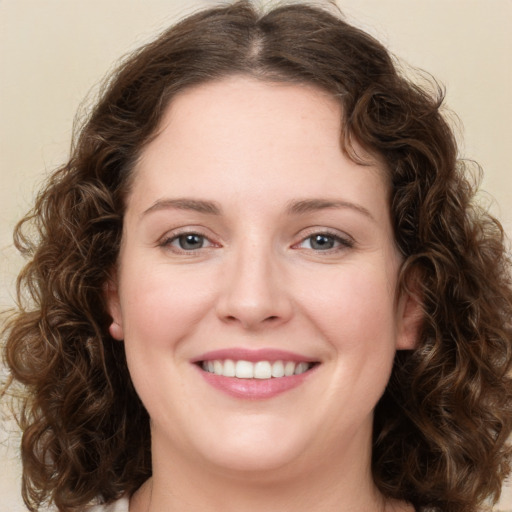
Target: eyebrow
[301,207]
[197,205]
[312,205]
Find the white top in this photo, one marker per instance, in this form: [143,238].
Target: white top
[118,506]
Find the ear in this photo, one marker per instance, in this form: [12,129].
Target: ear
[111,292]
[410,316]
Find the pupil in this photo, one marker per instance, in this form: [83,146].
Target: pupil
[322,242]
[189,242]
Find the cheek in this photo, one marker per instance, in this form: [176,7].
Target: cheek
[354,307]
[162,306]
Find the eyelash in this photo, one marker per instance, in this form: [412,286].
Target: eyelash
[167,242]
[340,242]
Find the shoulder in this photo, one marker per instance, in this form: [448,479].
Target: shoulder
[118,506]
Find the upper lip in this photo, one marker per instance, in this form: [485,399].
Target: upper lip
[252,355]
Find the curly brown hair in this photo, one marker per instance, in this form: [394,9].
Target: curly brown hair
[440,429]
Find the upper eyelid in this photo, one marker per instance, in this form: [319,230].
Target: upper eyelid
[198,230]
[302,235]
[172,235]
[318,230]
[342,240]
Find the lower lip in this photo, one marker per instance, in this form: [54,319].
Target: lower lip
[255,389]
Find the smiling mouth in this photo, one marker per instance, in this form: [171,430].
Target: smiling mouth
[262,370]
[255,374]
[255,370]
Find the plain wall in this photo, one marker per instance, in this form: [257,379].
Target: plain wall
[54,52]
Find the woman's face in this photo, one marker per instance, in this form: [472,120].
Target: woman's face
[250,236]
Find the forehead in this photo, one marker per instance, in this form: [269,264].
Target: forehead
[255,134]
[246,109]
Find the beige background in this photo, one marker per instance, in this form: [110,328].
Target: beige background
[53,53]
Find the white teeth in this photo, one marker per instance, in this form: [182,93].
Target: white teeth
[262,370]
[301,368]
[289,368]
[259,370]
[278,369]
[217,367]
[244,370]
[228,369]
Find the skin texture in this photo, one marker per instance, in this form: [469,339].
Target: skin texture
[253,149]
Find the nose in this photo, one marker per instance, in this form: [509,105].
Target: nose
[254,293]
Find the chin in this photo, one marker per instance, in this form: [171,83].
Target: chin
[253,446]
[257,463]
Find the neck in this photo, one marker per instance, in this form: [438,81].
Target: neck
[213,495]
[181,484]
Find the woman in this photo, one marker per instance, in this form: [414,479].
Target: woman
[261,282]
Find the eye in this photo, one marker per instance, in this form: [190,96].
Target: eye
[187,242]
[190,241]
[324,242]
